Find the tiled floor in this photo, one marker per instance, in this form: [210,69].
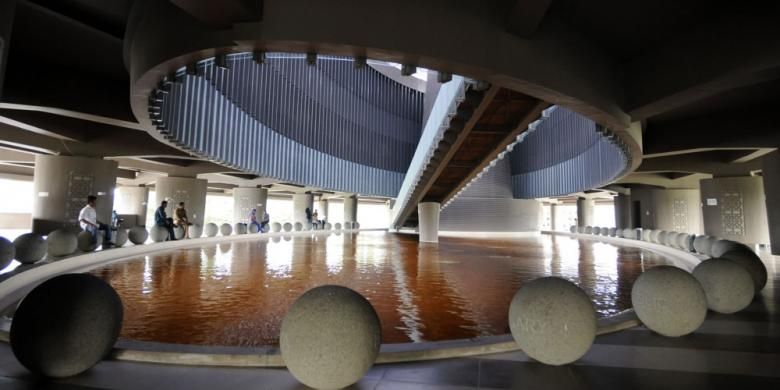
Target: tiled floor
[740,351]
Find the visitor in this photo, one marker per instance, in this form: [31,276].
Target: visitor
[253,220]
[308,215]
[264,222]
[180,218]
[161,219]
[89,223]
[315,220]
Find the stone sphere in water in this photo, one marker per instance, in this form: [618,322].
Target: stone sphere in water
[613,232]
[572,229]
[66,325]
[328,226]
[158,233]
[195,231]
[226,229]
[211,229]
[588,229]
[120,237]
[330,337]
[669,301]
[62,242]
[7,252]
[178,232]
[752,263]
[337,226]
[298,226]
[287,227]
[596,230]
[720,247]
[253,229]
[88,243]
[276,227]
[552,320]
[138,235]
[30,247]
[727,285]
[239,228]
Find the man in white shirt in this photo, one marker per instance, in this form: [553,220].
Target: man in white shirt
[88,221]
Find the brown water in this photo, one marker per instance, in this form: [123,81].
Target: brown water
[238,293]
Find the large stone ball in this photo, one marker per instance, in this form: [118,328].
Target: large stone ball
[671,239]
[688,244]
[612,232]
[552,320]
[720,247]
[276,227]
[195,231]
[646,234]
[629,233]
[660,237]
[580,229]
[120,237]
[240,228]
[66,325]
[596,230]
[226,229]
[62,242]
[253,228]
[337,226]
[727,285]
[88,243]
[30,247]
[7,252]
[298,226]
[211,229]
[752,263]
[330,337]
[572,229]
[588,229]
[328,226]
[308,226]
[138,235]
[669,301]
[287,227]
[178,232]
[158,233]
[703,244]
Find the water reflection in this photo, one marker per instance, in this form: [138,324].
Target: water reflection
[238,293]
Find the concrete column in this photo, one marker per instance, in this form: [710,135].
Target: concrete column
[300,203]
[553,210]
[132,205]
[61,185]
[585,211]
[183,189]
[6,26]
[771,177]
[622,211]
[350,208]
[428,213]
[734,208]
[247,198]
[322,209]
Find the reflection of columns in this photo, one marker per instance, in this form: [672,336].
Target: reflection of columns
[350,208]
[246,199]
[622,211]
[553,210]
[191,191]
[322,209]
[584,211]
[300,203]
[428,214]
[61,186]
[133,202]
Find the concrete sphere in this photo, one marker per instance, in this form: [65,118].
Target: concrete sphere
[158,233]
[572,229]
[751,262]
[719,247]
[588,229]
[211,229]
[629,233]
[66,325]
[138,235]
[605,231]
[226,229]
[596,230]
[328,226]
[670,239]
[669,301]
[7,252]
[613,232]
[698,244]
[30,247]
[253,229]
[330,337]
[687,243]
[287,227]
[298,226]
[646,234]
[62,242]
[276,227]
[727,285]
[552,320]
[308,226]
[178,232]
[705,245]
[660,238]
[120,237]
[581,229]
[337,226]
[239,228]
[195,231]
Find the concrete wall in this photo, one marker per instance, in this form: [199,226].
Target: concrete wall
[61,185]
[735,208]
[622,204]
[182,189]
[300,203]
[133,204]
[671,210]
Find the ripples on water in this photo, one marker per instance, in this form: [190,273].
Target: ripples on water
[238,293]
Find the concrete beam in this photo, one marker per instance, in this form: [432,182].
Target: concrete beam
[699,163]
[525,16]
[222,14]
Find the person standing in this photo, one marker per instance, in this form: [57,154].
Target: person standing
[161,219]
[89,223]
[315,220]
[180,218]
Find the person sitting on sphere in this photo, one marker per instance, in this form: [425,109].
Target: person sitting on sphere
[314,220]
[180,218]
[161,219]
[89,223]
[253,220]
[264,222]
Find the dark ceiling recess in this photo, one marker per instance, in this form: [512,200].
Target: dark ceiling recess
[109,16]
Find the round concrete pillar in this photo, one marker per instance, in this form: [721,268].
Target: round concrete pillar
[132,203]
[322,209]
[246,199]
[300,203]
[350,208]
[189,190]
[428,213]
[61,186]
[585,211]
